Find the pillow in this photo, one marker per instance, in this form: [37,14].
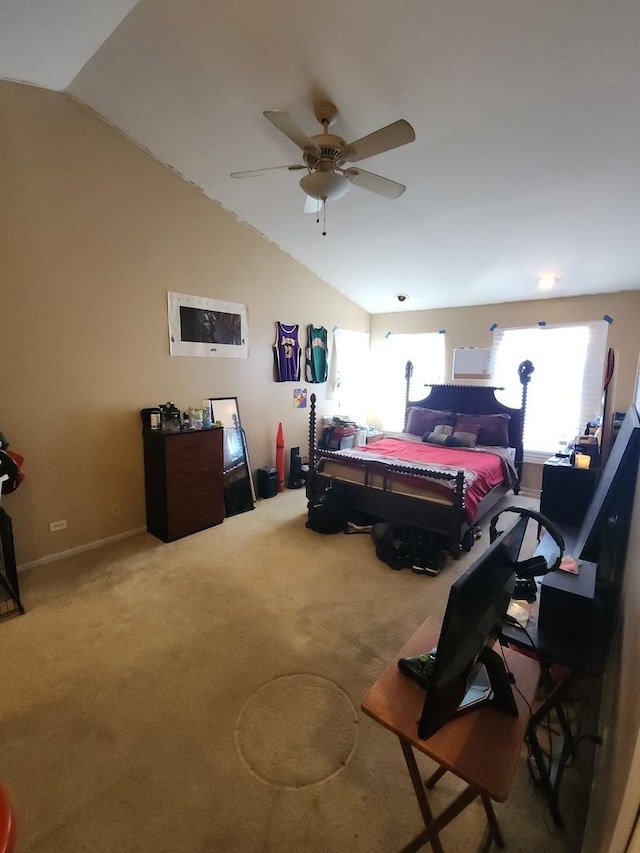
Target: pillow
[440,434]
[466,437]
[493,429]
[463,434]
[421,421]
[451,436]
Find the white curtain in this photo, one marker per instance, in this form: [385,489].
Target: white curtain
[349,374]
[426,351]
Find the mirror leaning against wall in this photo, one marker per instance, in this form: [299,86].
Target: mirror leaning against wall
[236,470]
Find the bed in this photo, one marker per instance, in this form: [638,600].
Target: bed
[459,455]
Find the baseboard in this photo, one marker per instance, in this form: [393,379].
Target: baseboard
[530,493]
[53,558]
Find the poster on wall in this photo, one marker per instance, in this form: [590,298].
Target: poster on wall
[207,328]
[300,398]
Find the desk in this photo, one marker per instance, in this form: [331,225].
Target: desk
[481,747]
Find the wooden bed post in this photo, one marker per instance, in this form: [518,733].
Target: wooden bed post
[408,373]
[525,369]
[312,446]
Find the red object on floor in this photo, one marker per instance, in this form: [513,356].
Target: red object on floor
[280,458]
[10,464]
[7,824]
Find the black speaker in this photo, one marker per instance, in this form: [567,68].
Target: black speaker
[295,469]
[267,482]
[567,609]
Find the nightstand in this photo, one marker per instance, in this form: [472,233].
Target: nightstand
[566,491]
[374,436]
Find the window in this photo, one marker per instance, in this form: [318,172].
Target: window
[565,391]
[349,373]
[426,351]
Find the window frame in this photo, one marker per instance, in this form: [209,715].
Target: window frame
[590,381]
[389,370]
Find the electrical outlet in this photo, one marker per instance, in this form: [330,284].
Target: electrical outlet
[115,510]
[57,525]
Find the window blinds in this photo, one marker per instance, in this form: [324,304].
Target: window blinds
[566,388]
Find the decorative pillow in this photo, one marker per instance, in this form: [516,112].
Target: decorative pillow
[440,434]
[493,429]
[421,421]
[465,437]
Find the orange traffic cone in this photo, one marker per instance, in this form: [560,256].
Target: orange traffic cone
[280,458]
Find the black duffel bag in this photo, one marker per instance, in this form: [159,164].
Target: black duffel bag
[327,513]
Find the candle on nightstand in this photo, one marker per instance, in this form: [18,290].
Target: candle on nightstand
[583,460]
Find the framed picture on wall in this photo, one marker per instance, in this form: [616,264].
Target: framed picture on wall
[207,328]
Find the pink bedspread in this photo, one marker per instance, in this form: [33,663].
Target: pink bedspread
[483,469]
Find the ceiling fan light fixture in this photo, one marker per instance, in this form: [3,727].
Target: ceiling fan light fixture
[325,186]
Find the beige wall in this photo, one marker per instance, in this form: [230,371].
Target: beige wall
[470,327]
[93,234]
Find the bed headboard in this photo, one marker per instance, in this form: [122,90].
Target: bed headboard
[477,400]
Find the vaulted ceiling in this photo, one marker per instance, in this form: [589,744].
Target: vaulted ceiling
[526,116]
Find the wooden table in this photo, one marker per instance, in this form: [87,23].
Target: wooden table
[481,747]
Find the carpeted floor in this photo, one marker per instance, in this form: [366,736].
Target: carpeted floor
[204,695]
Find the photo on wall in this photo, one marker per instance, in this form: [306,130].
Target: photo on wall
[207,328]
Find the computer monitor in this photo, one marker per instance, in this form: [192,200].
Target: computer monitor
[605,530]
[466,670]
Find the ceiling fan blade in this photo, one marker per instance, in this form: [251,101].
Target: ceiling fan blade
[254,173]
[392,136]
[287,125]
[375,183]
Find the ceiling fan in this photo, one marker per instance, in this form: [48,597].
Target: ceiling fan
[326,157]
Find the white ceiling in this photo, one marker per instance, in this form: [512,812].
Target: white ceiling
[527,121]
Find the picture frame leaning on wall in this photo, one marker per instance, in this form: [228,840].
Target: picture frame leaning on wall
[239,495]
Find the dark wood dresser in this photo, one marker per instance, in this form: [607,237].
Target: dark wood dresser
[566,491]
[183,481]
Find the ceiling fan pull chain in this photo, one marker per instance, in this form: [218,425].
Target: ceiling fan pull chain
[324,217]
